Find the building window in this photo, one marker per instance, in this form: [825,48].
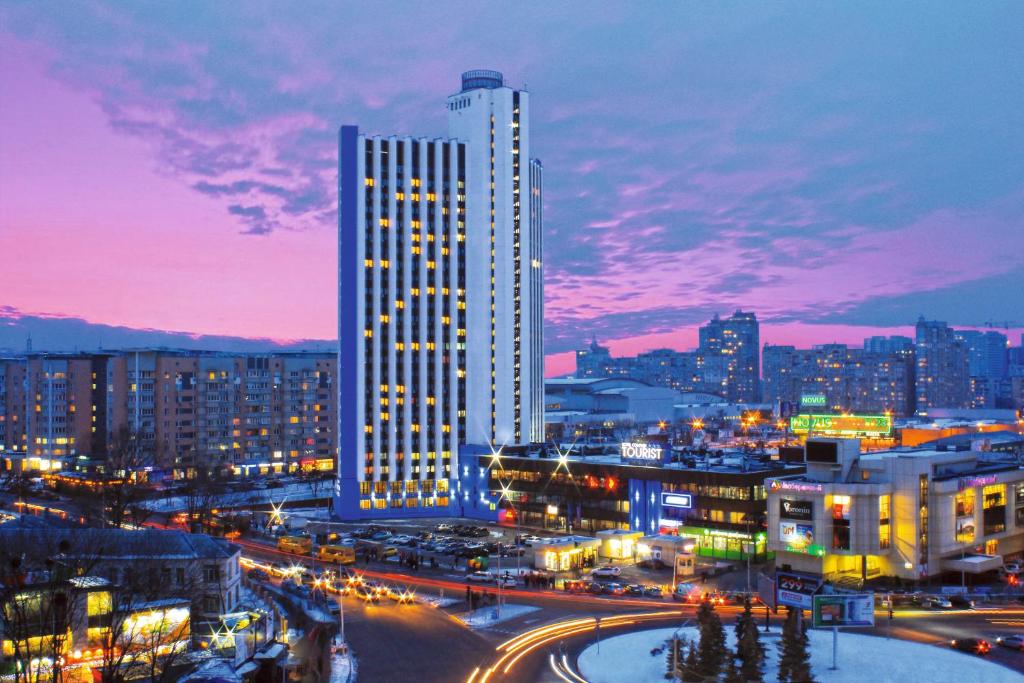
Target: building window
[841,522]
[964,506]
[1019,504]
[922,519]
[884,528]
[994,504]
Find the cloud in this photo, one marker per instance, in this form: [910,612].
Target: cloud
[822,165]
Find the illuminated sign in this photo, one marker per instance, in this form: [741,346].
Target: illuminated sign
[639,453]
[797,537]
[813,400]
[796,509]
[796,590]
[801,486]
[970,482]
[843,610]
[842,425]
[676,500]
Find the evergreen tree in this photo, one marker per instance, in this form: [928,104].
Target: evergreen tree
[711,652]
[675,659]
[794,659]
[690,670]
[749,649]
[800,670]
[785,646]
[732,674]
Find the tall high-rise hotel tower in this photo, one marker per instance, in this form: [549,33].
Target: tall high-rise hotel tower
[440,295]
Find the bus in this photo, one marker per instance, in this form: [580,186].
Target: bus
[300,545]
[338,554]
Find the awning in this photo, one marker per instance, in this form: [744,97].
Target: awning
[247,668]
[972,564]
[272,652]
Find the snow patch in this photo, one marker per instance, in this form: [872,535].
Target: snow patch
[628,659]
[486,617]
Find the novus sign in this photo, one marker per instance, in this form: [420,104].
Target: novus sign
[639,453]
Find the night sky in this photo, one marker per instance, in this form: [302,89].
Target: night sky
[838,169]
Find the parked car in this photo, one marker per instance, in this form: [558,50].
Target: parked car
[1014,642]
[635,589]
[479,577]
[613,589]
[508,581]
[258,574]
[366,594]
[977,646]
[443,528]
[607,571]
[530,540]
[960,602]
[937,602]
[652,591]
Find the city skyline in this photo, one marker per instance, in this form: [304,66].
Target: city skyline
[773,190]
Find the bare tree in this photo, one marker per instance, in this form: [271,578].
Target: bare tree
[39,605]
[201,494]
[149,621]
[124,486]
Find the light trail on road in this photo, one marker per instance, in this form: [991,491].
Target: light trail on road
[513,650]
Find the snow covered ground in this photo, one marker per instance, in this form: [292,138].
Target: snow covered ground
[437,601]
[628,659]
[343,668]
[486,617]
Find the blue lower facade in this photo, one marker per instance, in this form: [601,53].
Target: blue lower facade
[644,505]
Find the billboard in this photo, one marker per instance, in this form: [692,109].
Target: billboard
[797,537]
[813,400]
[842,425]
[843,610]
[640,453]
[796,509]
[796,590]
[822,451]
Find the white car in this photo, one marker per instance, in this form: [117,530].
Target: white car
[508,581]
[530,540]
[606,571]
[479,577]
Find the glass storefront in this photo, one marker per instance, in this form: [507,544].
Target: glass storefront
[728,545]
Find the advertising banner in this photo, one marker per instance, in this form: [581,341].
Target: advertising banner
[843,610]
[796,509]
[796,590]
[796,536]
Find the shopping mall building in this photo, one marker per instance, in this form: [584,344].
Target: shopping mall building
[719,500]
[907,513]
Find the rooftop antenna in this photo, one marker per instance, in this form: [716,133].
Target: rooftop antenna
[28,343]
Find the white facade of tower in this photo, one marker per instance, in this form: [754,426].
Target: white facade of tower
[402,324]
[504,298]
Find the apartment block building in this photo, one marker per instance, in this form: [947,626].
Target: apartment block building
[850,379]
[180,409]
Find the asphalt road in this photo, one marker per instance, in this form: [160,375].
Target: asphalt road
[409,643]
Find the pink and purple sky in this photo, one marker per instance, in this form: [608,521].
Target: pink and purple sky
[839,170]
